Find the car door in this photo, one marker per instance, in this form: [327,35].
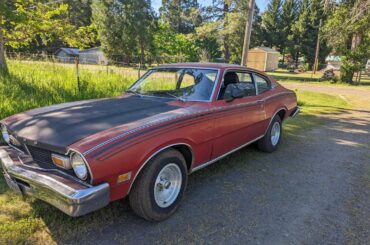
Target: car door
[264,94]
[239,121]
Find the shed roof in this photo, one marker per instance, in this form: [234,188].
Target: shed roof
[90,49]
[265,49]
[70,51]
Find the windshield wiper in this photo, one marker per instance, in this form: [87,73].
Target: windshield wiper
[177,97]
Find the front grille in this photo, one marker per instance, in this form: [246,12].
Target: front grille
[42,159]
[16,144]
[40,155]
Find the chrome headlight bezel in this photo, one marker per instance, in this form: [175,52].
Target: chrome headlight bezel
[79,165]
[5,134]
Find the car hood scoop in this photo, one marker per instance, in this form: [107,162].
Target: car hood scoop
[61,125]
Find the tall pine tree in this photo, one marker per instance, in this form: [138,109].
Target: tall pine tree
[298,31]
[271,23]
[315,14]
[125,28]
[182,15]
[288,16]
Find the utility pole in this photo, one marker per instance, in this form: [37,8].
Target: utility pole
[247,35]
[316,62]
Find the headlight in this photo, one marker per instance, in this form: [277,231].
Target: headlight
[79,166]
[5,134]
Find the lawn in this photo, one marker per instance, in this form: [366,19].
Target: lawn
[308,77]
[33,85]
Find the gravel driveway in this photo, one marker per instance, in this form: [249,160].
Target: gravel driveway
[314,190]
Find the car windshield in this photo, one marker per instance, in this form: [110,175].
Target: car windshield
[187,84]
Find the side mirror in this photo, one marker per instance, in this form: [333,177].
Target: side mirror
[236,93]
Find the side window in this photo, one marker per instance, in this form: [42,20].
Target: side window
[246,84]
[237,80]
[263,85]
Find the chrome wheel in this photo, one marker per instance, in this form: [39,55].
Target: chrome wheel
[167,185]
[275,133]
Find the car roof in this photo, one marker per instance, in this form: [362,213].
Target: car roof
[204,65]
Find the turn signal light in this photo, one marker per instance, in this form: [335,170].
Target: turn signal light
[124,177]
[61,161]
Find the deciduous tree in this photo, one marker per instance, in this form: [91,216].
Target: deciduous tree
[23,21]
[348,33]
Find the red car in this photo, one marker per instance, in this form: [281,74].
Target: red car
[174,120]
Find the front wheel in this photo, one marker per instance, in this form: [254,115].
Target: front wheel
[271,140]
[157,192]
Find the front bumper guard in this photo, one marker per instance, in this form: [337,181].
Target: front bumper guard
[64,192]
[295,111]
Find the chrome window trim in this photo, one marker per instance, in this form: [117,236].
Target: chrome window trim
[187,67]
[241,70]
[156,153]
[265,78]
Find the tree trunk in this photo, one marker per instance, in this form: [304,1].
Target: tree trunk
[247,33]
[347,70]
[226,37]
[296,59]
[142,54]
[3,66]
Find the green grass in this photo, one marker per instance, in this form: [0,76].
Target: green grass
[33,85]
[308,77]
[293,76]
[313,104]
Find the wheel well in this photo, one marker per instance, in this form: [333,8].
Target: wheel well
[281,114]
[186,152]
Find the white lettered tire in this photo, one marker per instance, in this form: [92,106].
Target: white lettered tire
[158,190]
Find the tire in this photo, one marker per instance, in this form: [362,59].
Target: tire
[148,194]
[268,143]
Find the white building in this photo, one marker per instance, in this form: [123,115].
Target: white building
[66,55]
[93,56]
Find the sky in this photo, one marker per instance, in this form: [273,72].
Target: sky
[262,4]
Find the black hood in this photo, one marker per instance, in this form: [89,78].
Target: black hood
[64,125]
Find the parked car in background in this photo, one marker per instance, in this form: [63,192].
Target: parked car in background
[176,119]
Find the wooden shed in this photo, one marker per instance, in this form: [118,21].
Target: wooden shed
[263,59]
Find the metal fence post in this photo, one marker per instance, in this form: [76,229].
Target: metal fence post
[138,73]
[77,74]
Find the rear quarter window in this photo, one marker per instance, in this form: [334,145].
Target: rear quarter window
[262,84]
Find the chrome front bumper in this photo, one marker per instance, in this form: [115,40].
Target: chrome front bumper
[295,112]
[65,192]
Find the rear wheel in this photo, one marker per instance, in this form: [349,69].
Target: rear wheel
[272,138]
[157,192]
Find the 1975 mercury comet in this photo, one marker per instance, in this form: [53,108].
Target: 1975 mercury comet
[174,120]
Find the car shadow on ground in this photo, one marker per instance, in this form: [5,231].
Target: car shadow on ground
[248,196]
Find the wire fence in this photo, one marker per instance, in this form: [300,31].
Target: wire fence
[85,64]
